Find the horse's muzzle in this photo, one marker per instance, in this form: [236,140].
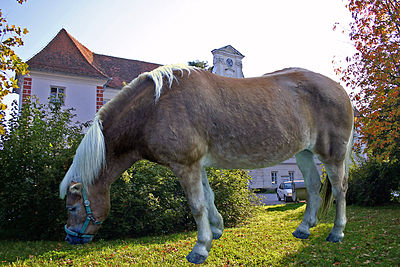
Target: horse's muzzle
[77,240]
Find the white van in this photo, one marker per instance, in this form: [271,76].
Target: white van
[285,191]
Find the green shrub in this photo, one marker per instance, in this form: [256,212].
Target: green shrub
[373,182]
[233,198]
[148,200]
[37,149]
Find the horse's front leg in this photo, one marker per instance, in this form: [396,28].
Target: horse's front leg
[215,218]
[190,179]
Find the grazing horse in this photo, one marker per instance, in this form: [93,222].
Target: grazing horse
[188,119]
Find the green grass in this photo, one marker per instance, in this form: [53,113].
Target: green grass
[372,236]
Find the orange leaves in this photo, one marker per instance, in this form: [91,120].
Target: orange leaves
[374,74]
[10,36]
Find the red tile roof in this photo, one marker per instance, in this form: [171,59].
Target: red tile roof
[120,69]
[64,54]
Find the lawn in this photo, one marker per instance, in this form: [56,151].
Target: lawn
[372,236]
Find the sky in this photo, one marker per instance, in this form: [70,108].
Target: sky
[271,34]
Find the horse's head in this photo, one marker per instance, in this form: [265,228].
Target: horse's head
[88,194]
[87,183]
[87,209]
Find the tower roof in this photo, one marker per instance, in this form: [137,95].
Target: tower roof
[228,49]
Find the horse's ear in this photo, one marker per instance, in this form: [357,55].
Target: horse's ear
[75,188]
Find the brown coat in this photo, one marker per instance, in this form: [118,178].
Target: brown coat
[189,119]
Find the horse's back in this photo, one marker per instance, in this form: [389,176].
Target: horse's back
[329,111]
[251,122]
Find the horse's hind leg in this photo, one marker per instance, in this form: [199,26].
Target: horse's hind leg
[190,179]
[215,218]
[306,164]
[338,178]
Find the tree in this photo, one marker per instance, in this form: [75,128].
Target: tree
[10,37]
[200,64]
[374,75]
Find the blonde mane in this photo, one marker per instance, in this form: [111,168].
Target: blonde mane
[89,160]
[156,75]
[90,157]
[167,71]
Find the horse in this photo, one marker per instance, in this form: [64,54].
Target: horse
[188,119]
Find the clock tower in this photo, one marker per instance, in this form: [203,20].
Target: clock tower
[227,62]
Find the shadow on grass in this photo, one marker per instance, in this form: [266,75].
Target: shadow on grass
[289,211]
[292,206]
[12,251]
[18,251]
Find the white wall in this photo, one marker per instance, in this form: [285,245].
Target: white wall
[109,93]
[80,93]
[261,178]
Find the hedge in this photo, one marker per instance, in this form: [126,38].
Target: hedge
[35,154]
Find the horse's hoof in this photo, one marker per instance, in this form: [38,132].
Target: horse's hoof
[196,258]
[334,238]
[300,234]
[217,235]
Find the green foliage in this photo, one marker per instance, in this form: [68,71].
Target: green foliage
[373,183]
[10,37]
[200,64]
[148,199]
[233,198]
[37,149]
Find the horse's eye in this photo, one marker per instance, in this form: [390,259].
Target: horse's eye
[71,209]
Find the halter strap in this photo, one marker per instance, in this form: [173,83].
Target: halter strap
[89,217]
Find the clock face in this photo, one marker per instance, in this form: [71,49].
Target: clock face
[229,62]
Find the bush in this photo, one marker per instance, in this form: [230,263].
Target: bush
[148,199]
[373,183]
[36,151]
[233,198]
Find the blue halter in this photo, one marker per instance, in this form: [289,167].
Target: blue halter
[89,217]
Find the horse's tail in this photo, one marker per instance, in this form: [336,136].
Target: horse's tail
[326,195]
[326,189]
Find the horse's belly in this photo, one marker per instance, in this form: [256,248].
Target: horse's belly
[245,161]
[259,150]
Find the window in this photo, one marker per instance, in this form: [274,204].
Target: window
[57,94]
[274,177]
[291,175]
[287,185]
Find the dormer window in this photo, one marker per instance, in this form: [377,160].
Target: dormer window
[57,94]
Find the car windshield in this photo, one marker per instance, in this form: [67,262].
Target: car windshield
[287,186]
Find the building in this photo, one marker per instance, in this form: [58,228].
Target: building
[85,81]
[227,62]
